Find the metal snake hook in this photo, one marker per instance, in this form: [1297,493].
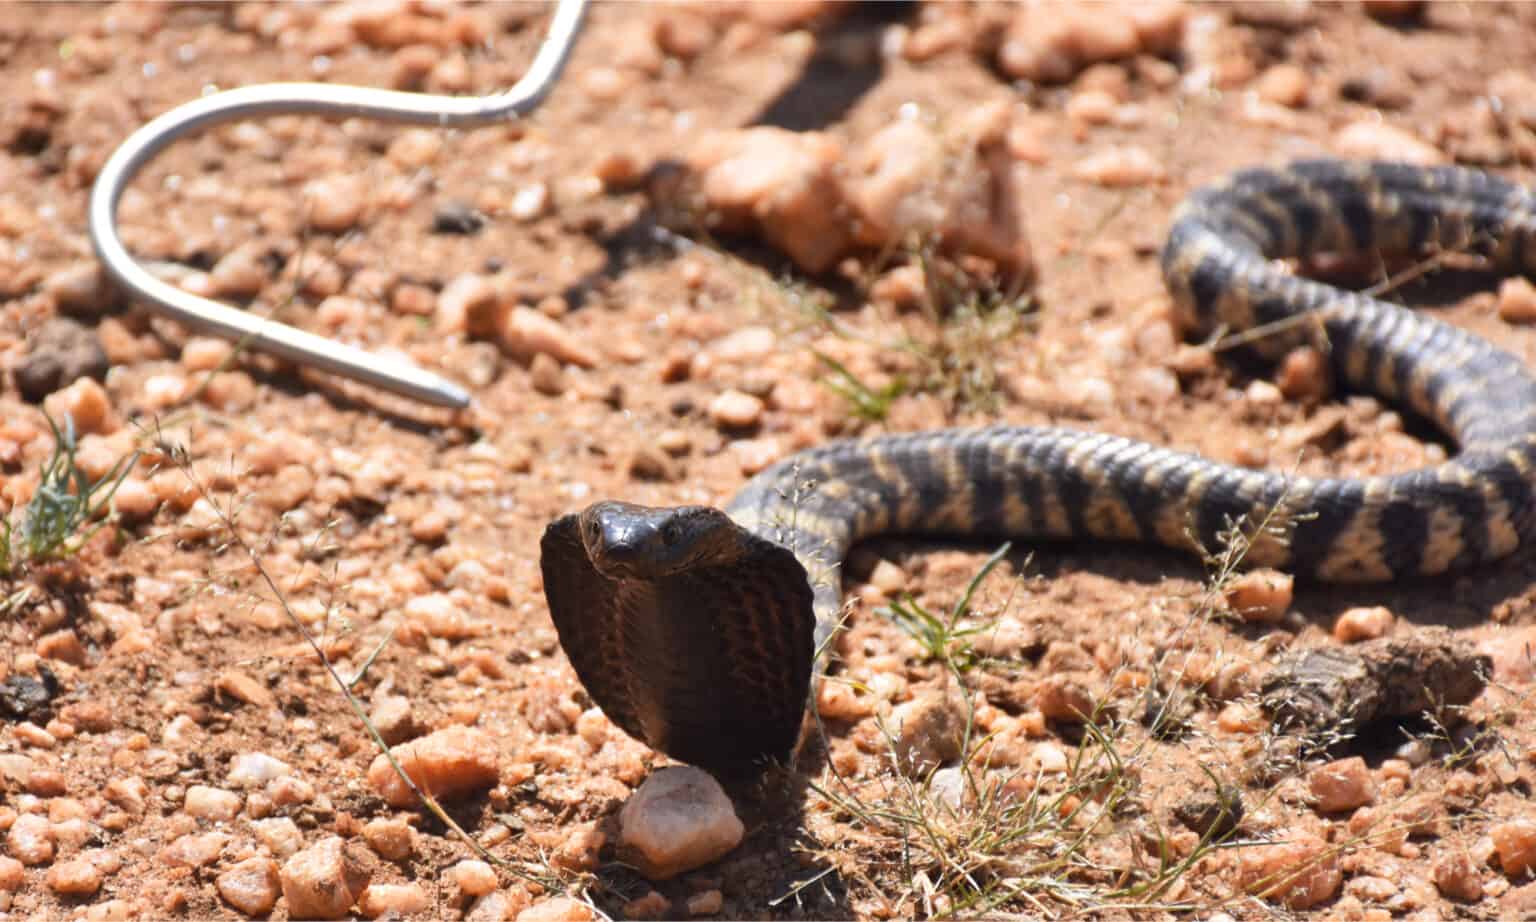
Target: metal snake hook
[396,376]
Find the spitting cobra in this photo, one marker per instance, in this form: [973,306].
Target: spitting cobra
[696,630]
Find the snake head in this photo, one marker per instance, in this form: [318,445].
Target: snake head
[626,541]
[690,632]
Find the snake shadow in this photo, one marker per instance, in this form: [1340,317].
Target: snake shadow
[1501,592]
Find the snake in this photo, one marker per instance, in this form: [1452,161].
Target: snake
[697,630]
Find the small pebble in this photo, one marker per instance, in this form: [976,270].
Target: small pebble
[1341,785]
[63,645]
[335,204]
[289,791]
[415,148]
[580,847]
[527,332]
[650,906]
[1304,375]
[1284,85]
[1359,624]
[530,202]
[254,769]
[470,304]
[251,886]
[194,851]
[546,375]
[30,734]
[395,900]
[451,763]
[1064,698]
[1514,841]
[288,489]
[76,878]
[678,820]
[593,727]
[746,345]
[1517,301]
[1372,140]
[1091,107]
[929,731]
[650,463]
[243,688]
[205,353]
[1048,758]
[86,404]
[127,793]
[441,616]
[736,410]
[209,803]
[322,881]
[1301,872]
[1242,717]
[1456,875]
[1260,596]
[754,455]
[163,391]
[707,903]
[280,835]
[30,839]
[1119,168]
[81,290]
[839,701]
[497,906]
[888,578]
[390,837]
[395,719]
[473,877]
[240,273]
[1370,888]
[558,909]
[12,874]
[604,85]
[618,170]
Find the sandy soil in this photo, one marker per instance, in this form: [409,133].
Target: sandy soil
[413,532]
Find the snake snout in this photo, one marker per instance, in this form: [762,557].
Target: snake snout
[626,541]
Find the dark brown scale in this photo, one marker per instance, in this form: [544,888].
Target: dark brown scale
[712,665]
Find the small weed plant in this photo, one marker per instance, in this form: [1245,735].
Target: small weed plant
[66,510]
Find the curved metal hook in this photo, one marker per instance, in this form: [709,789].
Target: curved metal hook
[332,101]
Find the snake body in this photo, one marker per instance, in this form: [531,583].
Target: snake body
[695,630]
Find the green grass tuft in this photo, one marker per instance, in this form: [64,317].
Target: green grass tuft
[66,509]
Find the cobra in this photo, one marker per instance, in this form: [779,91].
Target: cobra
[696,630]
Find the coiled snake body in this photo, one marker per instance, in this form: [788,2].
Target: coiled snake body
[695,630]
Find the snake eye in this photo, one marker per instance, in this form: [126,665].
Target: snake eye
[670,533]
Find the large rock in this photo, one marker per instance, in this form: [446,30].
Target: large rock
[679,819]
[784,183]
